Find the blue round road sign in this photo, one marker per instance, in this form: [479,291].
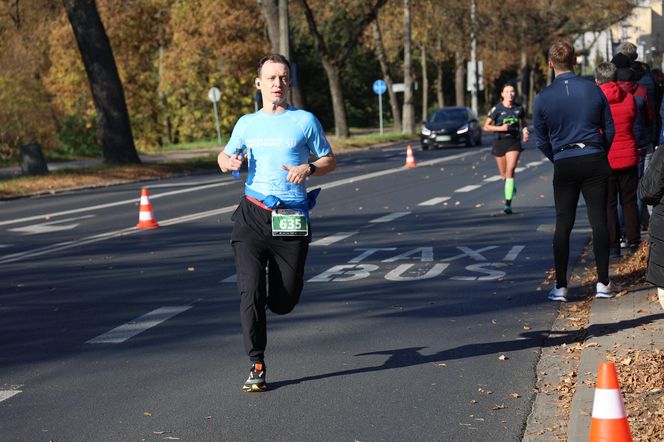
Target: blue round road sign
[379,87]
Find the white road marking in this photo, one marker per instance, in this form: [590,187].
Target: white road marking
[473,254]
[434,201]
[493,178]
[52,226]
[107,205]
[389,217]
[468,188]
[339,236]
[6,394]
[513,253]
[108,235]
[120,334]
[194,216]
[546,228]
[232,278]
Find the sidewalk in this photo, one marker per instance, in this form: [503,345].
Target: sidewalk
[149,158]
[621,329]
[625,322]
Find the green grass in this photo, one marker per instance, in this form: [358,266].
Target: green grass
[367,139]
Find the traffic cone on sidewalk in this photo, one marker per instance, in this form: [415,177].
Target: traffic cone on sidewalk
[609,421]
[146,219]
[410,158]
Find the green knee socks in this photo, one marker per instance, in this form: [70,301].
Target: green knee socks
[509,189]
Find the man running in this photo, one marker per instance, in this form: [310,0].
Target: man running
[271,233]
[574,129]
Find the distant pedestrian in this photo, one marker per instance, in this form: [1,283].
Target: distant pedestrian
[623,158]
[271,233]
[574,129]
[508,120]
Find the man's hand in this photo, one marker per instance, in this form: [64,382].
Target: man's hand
[226,163]
[297,174]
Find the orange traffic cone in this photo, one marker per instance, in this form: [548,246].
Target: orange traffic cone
[146,218]
[609,421]
[410,158]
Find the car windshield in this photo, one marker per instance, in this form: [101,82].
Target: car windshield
[447,115]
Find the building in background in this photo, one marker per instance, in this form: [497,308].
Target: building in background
[644,27]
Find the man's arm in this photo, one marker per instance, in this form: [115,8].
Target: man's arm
[542,140]
[323,165]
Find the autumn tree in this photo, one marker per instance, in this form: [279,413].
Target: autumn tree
[114,128]
[343,23]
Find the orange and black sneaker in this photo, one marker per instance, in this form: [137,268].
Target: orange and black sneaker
[256,381]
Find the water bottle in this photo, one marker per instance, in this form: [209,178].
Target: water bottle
[240,154]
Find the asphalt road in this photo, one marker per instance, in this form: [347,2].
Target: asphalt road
[421,317]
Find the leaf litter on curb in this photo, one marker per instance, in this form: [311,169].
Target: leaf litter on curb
[641,372]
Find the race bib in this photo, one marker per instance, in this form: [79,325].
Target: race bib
[288,222]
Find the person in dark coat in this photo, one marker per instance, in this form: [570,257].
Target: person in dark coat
[651,191]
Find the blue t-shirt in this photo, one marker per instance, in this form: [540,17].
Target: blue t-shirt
[273,140]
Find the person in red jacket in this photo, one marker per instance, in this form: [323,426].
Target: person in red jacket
[623,158]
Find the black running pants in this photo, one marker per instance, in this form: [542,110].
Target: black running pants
[587,175]
[270,272]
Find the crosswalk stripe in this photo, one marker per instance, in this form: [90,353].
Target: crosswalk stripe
[339,236]
[434,201]
[138,325]
[6,394]
[389,217]
[468,188]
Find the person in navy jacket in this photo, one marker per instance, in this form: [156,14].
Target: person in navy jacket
[574,129]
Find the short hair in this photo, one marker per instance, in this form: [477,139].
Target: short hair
[605,72]
[628,49]
[274,58]
[561,54]
[507,85]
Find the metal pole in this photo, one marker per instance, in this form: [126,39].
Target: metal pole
[473,57]
[380,112]
[216,120]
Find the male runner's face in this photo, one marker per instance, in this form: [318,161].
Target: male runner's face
[274,84]
[508,94]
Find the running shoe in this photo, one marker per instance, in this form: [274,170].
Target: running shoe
[558,294]
[507,209]
[256,381]
[607,291]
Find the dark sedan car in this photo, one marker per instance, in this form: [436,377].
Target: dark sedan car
[451,125]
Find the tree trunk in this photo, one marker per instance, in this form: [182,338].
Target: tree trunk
[459,79]
[408,107]
[336,91]
[284,34]
[531,88]
[382,59]
[439,74]
[425,83]
[114,127]
[271,12]
[439,85]
[521,85]
[334,63]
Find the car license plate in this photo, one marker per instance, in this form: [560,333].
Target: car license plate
[443,138]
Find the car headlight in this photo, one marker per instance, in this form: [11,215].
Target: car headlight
[463,129]
[425,131]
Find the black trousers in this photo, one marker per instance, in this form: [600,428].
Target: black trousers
[587,174]
[270,272]
[623,184]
